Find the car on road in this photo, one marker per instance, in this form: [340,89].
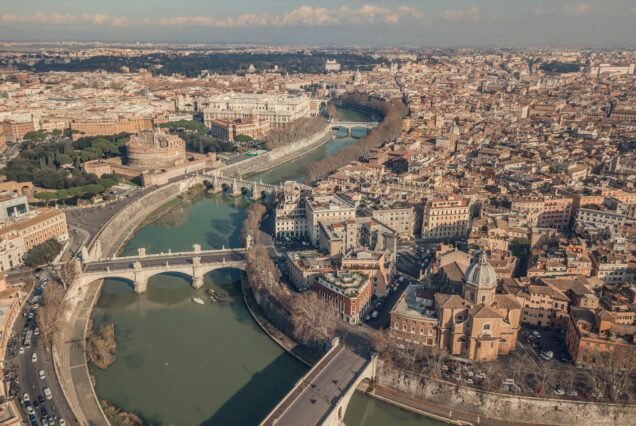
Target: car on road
[26,397]
[36,331]
[21,350]
[42,374]
[41,399]
[62,422]
[47,393]
[34,357]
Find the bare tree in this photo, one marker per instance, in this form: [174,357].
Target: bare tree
[314,320]
[294,131]
[612,373]
[50,313]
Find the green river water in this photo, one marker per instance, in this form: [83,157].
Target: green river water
[179,363]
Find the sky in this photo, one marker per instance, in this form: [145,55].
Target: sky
[516,23]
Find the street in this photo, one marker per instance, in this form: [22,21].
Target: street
[25,373]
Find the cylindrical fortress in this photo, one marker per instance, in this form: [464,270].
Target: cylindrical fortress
[155,150]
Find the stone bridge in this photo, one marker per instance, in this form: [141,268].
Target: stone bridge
[139,269]
[236,187]
[348,125]
[321,396]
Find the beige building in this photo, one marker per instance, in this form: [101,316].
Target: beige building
[479,325]
[402,220]
[278,109]
[446,218]
[37,228]
[109,127]
[155,150]
[324,209]
[543,212]
[229,130]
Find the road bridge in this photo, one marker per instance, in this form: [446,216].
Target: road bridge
[321,396]
[349,125]
[217,183]
[139,269]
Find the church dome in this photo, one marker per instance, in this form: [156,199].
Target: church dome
[481,274]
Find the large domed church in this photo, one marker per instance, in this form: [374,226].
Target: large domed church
[468,319]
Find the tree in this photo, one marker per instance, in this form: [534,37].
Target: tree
[43,253]
[313,319]
[62,159]
[331,111]
[50,313]
[243,138]
[519,247]
[612,373]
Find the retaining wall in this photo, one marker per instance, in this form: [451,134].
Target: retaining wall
[504,407]
[279,156]
[120,227]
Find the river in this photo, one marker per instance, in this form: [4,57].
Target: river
[179,363]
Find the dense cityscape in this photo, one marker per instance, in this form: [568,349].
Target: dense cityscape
[327,234]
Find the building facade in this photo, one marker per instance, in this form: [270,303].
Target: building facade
[278,110]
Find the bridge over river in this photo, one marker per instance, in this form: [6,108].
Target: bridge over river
[139,269]
[349,125]
[321,396]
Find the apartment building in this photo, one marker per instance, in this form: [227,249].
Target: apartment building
[349,293]
[446,218]
[324,209]
[595,335]
[338,238]
[402,220]
[543,212]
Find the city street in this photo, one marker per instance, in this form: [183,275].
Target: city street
[27,371]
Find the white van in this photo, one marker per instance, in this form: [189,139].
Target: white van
[47,393]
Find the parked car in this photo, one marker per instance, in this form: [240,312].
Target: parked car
[42,374]
[26,397]
[47,393]
[34,357]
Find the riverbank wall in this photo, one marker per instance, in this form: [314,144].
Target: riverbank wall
[122,226]
[278,156]
[478,407]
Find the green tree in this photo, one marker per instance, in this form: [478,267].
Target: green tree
[43,253]
[63,159]
[519,247]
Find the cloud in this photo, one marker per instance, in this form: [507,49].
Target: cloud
[61,19]
[300,16]
[471,14]
[577,9]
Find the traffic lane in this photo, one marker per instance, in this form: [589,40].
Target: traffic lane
[316,399]
[31,383]
[172,260]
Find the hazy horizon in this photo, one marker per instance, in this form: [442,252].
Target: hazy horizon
[423,23]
